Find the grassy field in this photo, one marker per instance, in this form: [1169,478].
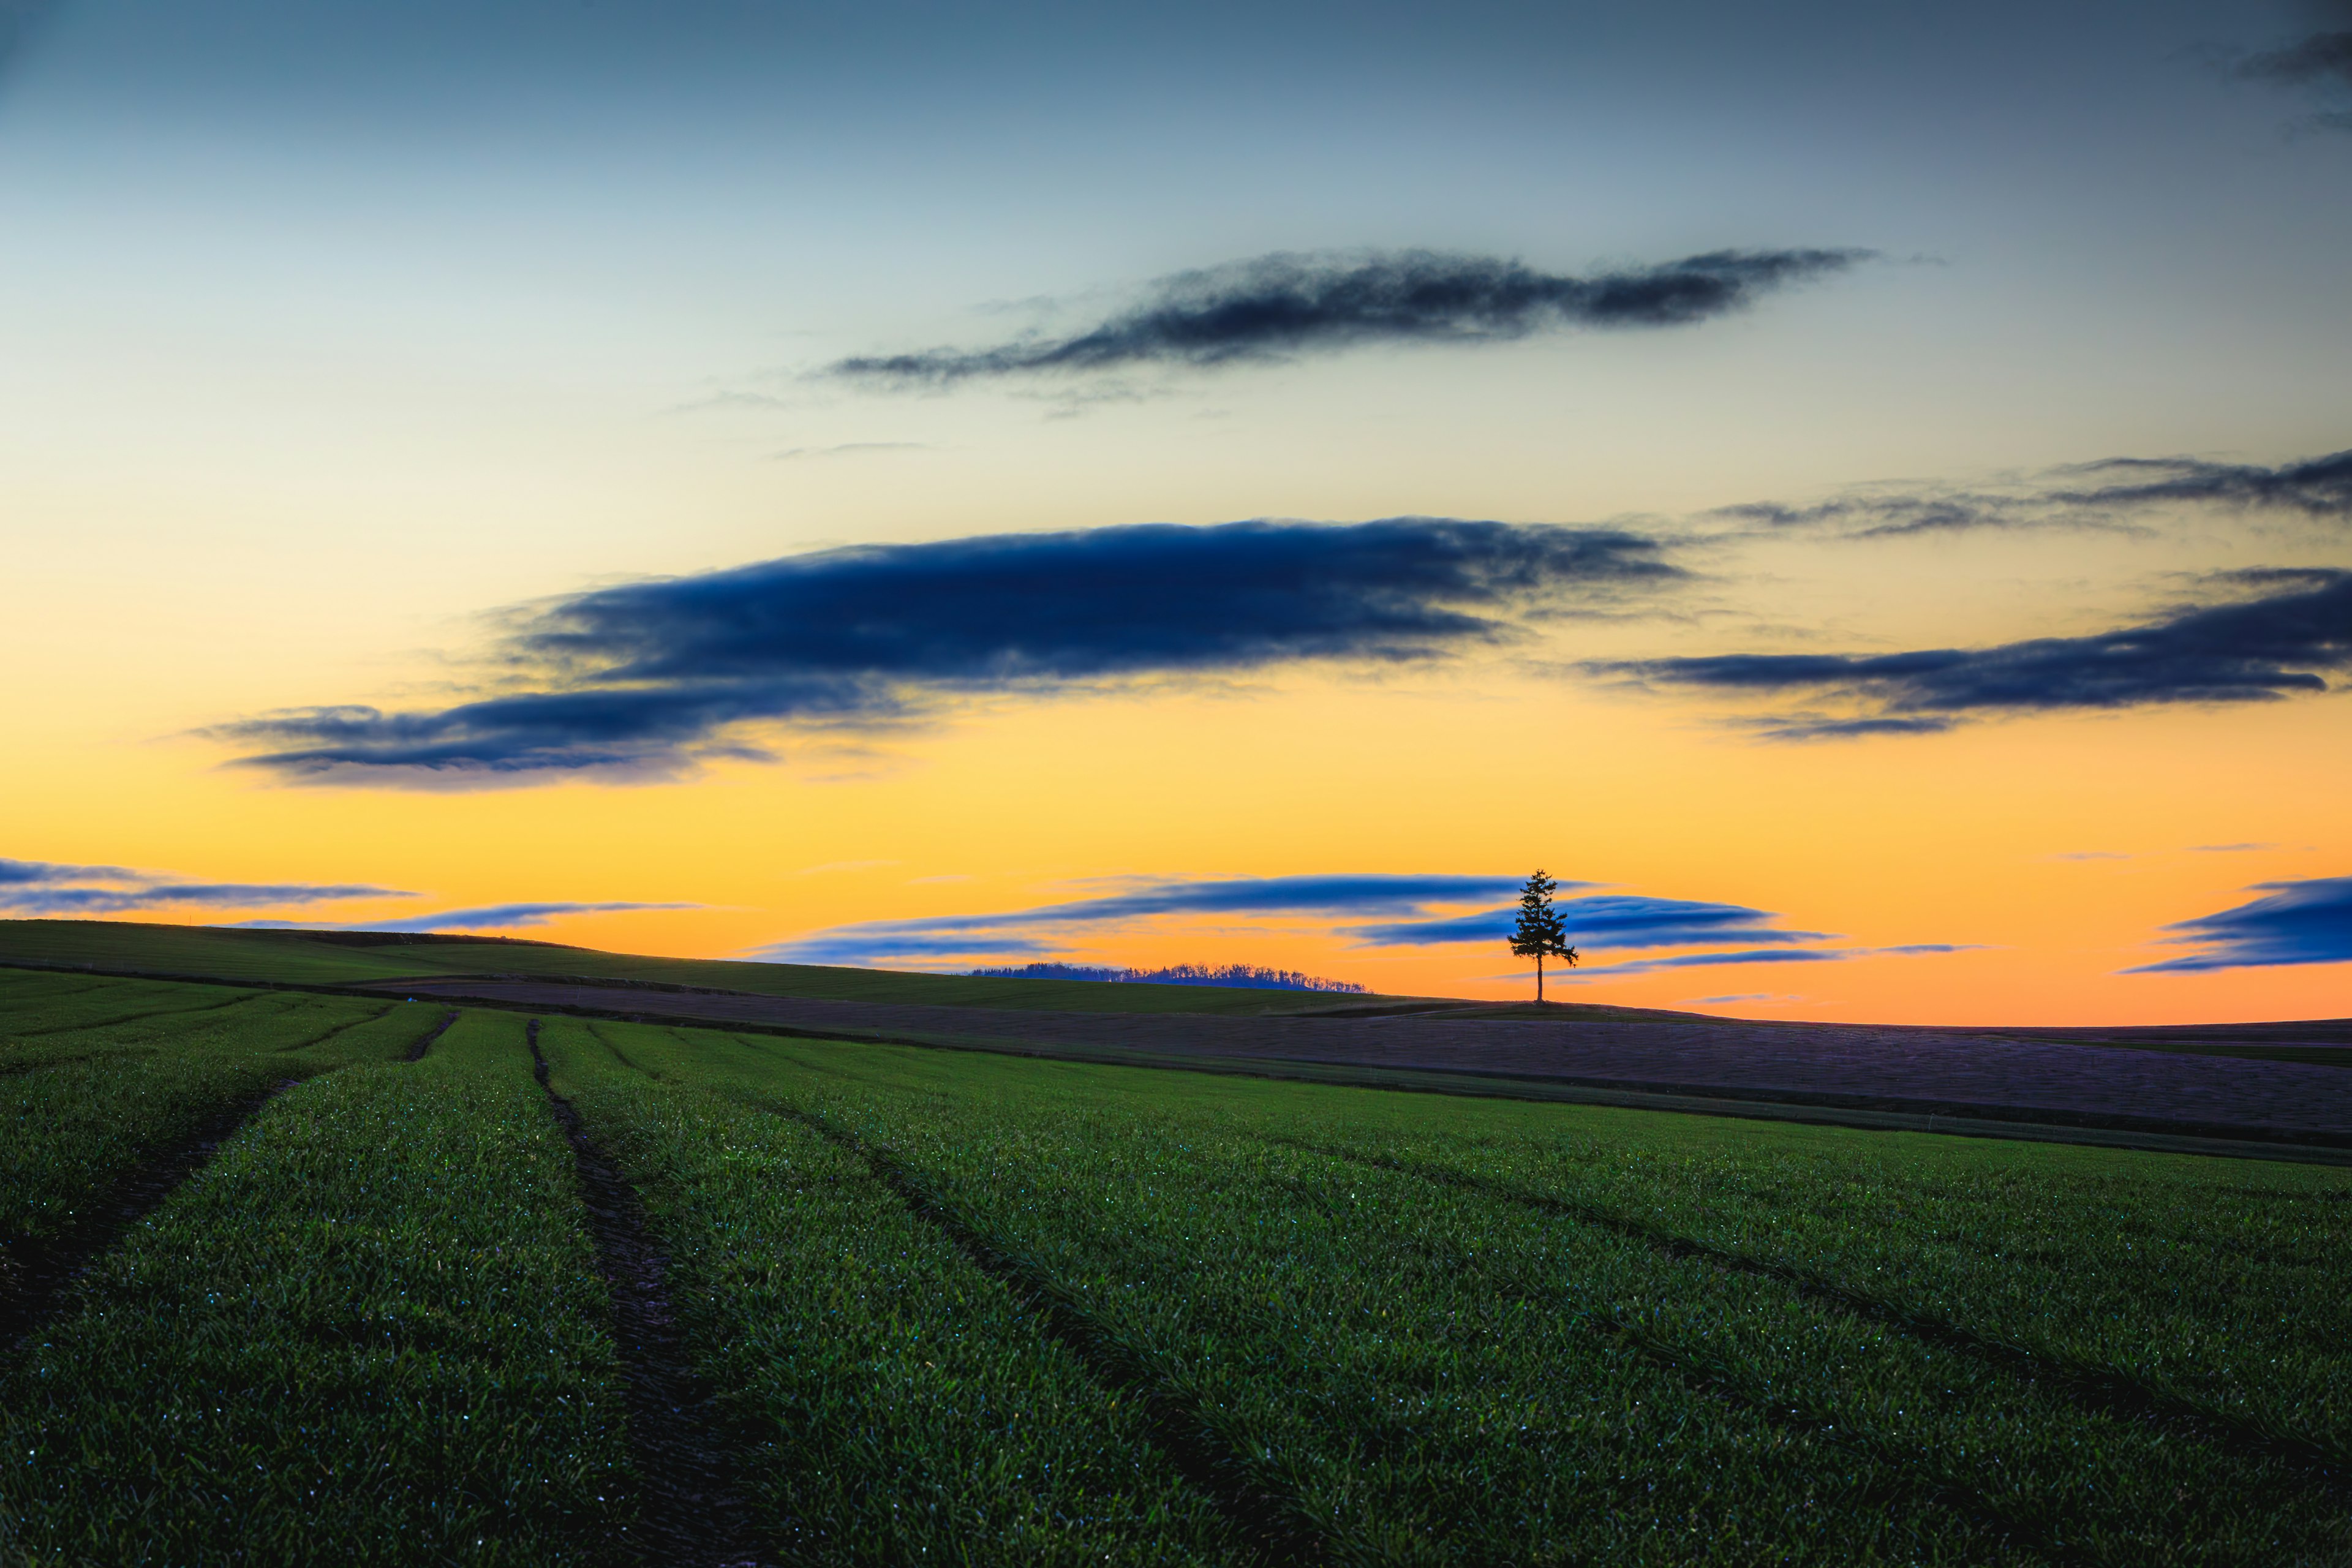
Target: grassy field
[917,1306]
[369,1331]
[342,958]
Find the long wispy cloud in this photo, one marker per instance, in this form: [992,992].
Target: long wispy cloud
[2305,921]
[1422,910]
[1282,306]
[45,888]
[1716,961]
[1055,927]
[486,917]
[2320,62]
[2273,645]
[2109,493]
[1602,920]
[649,677]
[1765,955]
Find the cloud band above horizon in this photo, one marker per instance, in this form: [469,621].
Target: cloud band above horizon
[2307,921]
[649,678]
[42,888]
[1599,921]
[1284,305]
[2244,651]
[487,916]
[2102,494]
[1051,928]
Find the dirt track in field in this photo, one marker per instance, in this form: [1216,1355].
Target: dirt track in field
[34,1273]
[1854,1067]
[692,1516]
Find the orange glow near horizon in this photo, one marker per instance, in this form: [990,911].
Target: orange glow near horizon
[2055,852]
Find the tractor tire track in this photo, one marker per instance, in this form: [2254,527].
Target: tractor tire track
[34,1272]
[1267,1517]
[1905,1484]
[144,1013]
[614,1051]
[693,1516]
[338,1029]
[2099,1390]
[416,1053]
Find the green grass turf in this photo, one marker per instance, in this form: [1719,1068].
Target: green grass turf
[83,1103]
[980,1308]
[368,1333]
[904,1407]
[1408,1347]
[2218,1295]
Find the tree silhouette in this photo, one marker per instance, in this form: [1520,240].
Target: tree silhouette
[1539,934]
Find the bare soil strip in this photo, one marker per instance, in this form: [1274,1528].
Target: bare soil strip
[1271,1522]
[1957,1082]
[416,1053]
[2107,1392]
[34,1273]
[693,1517]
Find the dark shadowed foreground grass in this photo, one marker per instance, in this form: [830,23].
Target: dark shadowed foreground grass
[981,1309]
[898,1403]
[1390,1322]
[368,1332]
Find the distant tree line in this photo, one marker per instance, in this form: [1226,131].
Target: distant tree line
[1246,975]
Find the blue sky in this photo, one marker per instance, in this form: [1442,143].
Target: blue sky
[594,461]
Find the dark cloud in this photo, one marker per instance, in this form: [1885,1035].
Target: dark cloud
[487,917]
[1357,894]
[883,944]
[2317,487]
[191,895]
[1602,921]
[646,676]
[2104,494]
[1275,307]
[1773,955]
[22,873]
[37,888]
[2318,57]
[2320,61]
[1596,922]
[2249,650]
[1050,928]
[2299,922]
[1717,961]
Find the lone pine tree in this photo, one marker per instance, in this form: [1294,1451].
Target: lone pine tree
[1539,934]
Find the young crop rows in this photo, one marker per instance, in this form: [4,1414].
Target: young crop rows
[295,1277]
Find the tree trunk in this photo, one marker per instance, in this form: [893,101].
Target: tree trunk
[1539,980]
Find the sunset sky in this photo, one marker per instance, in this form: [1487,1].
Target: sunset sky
[1860,493]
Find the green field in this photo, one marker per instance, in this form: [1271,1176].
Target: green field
[910,1306]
